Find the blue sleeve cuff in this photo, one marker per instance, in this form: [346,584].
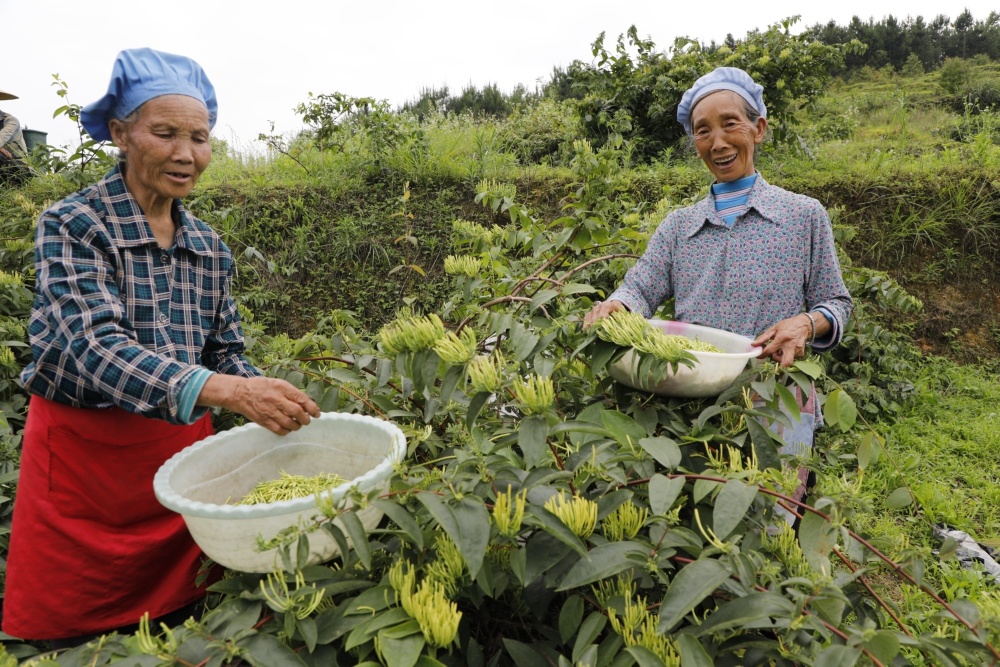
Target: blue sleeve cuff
[187,410]
[827,340]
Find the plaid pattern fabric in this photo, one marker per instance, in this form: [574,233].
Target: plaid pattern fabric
[118,320]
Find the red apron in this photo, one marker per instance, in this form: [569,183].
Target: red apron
[91,549]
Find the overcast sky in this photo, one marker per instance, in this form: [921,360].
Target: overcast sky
[265,57]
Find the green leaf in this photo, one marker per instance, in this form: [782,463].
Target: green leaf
[869,450]
[664,450]
[441,512]
[570,617]
[693,654]
[840,410]
[262,650]
[307,628]
[752,611]
[576,288]
[644,657]
[663,491]
[623,428]
[403,651]
[589,631]
[541,298]
[817,537]
[690,586]
[452,377]
[884,645]
[788,400]
[731,506]
[601,353]
[602,562]
[523,655]
[551,524]
[703,487]
[476,404]
[399,516]
[531,438]
[837,655]
[764,445]
[473,536]
[359,537]
[899,498]
[810,368]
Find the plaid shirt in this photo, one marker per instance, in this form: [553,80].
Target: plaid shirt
[117,320]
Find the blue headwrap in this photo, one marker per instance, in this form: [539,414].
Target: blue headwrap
[722,78]
[138,76]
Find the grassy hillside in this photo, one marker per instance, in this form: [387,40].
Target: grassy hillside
[334,241]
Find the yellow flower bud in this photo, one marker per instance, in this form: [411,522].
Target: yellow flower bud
[536,394]
[625,522]
[411,334]
[508,512]
[467,265]
[578,513]
[485,373]
[457,350]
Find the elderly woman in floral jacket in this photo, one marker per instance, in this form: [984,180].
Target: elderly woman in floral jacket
[750,257]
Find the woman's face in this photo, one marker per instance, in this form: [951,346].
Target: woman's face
[723,135]
[166,148]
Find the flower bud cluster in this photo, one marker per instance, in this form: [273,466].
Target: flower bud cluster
[536,394]
[625,522]
[448,568]
[578,513]
[785,546]
[473,231]
[11,279]
[508,512]
[411,334]
[638,627]
[486,373]
[629,329]
[457,350]
[427,604]
[465,264]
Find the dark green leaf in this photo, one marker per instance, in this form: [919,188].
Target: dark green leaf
[359,537]
[693,654]
[589,631]
[473,535]
[542,297]
[262,650]
[788,400]
[690,586]
[401,651]
[623,428]
[664,450]
[752,611]
[837,655]
[523,655]
[602,562]
[644,657]
[901,497]
[399,516]
[551,524]
[476,404]
[531,438]
[307,628]
[703,487]
[763,444]
[570,617]
[663,491]
[731,506]
[817,537]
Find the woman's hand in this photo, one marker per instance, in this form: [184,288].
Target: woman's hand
[601,310]
[274,404]
[785,341]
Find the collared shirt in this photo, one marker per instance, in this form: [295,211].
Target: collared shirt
[775,259]
[119,320]
[11,136]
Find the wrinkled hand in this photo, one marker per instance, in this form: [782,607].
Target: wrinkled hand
[785,341]
[274,404]
[6,153]
[601,310]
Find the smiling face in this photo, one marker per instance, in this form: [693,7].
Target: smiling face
[166,149]
[723,135]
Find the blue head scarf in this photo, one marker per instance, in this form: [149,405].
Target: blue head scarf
[138,76]
[722,78]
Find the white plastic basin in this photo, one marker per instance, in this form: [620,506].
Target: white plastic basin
[713,373]
[201,481]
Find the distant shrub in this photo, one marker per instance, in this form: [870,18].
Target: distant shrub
[913,66]
[982,96]
[539,132]
[954,76]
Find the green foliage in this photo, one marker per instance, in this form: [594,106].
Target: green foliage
[635,98]
[955,76]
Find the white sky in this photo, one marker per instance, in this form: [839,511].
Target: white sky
[265,57]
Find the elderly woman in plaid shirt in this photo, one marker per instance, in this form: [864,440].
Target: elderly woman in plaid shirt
[134,335]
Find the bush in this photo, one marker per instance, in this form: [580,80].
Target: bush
[955,76]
